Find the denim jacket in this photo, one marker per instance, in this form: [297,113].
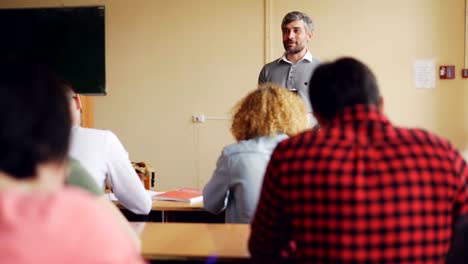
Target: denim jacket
[237,179]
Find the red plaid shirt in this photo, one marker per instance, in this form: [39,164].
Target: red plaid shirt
[361,191]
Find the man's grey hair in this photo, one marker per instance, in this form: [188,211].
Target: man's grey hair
[296,15]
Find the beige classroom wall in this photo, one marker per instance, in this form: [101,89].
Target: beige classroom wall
[168,60]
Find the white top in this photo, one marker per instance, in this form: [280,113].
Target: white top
[102,154]
[307,56]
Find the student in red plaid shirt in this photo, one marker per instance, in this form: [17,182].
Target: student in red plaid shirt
[360,190]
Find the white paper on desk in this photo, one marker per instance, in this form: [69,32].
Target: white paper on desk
[112,196]
[424,73]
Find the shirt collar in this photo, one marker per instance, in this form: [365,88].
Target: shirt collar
[360,123]
[307,56]
[360,112]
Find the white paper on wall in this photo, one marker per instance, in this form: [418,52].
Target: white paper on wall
[424,73]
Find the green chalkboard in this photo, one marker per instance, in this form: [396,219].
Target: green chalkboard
[71,40]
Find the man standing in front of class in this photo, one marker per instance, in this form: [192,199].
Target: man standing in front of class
[294,69]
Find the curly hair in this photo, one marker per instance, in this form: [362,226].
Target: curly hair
[268,110]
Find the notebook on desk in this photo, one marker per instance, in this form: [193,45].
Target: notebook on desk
[186,195]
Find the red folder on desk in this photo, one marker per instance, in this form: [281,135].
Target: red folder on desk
[187,195]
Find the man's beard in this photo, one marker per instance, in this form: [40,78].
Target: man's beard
[294,50]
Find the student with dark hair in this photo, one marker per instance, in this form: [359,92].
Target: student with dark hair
[360,189]
[41,221]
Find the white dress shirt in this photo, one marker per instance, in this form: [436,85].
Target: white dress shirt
[102,154]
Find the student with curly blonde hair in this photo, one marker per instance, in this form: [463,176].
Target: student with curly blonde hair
[261,120]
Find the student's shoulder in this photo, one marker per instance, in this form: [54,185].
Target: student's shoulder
[91,213]
[239,147]
[303,139]
[423,137]
[264,144]
[73,198]
[63,220]
[93,131]
[103,234]
[98,135]
[56,209]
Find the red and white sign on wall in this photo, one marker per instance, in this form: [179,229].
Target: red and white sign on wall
[447,72]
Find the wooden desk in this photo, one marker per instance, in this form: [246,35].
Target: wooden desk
[176,206]
[171,206]
[193,241]
[166,207]
[170,211]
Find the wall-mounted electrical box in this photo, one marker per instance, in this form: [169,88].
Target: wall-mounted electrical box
[447,72]
[464,73]
[198,118]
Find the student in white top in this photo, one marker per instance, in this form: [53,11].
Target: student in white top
[104,156]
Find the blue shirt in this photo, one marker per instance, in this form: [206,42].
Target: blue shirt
[238,177]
